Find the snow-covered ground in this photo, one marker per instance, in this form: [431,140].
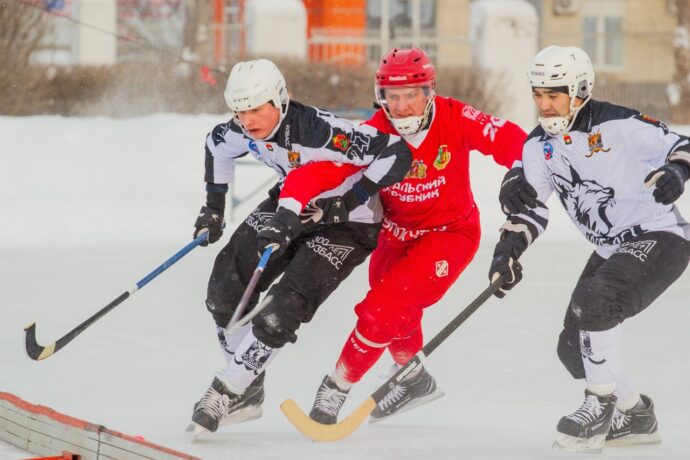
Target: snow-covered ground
[90,206]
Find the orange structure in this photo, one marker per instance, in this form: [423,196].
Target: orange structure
[331,23]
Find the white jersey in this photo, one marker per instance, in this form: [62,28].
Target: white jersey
[597,171]
[308,134]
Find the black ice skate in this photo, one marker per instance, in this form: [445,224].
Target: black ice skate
[219,406]
[635,426]
[410,393]
[586,428]
[329,399]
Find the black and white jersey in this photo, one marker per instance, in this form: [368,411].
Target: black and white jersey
[308,134]
[597,170]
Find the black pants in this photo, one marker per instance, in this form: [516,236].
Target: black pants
[611,290]
[312,267]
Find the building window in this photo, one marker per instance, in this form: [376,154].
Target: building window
[603,40]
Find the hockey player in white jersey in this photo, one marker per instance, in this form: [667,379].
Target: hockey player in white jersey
[617,173]
[313,260]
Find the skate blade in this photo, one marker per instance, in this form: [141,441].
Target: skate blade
[244,415]
[641,439]
[196,430]
[567,443]
[416,403]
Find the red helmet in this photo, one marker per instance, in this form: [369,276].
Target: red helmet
[400,68]
[405,67]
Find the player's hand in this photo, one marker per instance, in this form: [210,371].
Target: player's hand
[211,220]
[511,271]
[516,194]
[280,231]
[669,181]
[331,210]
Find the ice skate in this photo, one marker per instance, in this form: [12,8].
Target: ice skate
[585,430]
[329,399]
[410,393]
[636,426]
[220,407]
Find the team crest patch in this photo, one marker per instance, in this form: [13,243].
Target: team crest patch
[294,159]
[417,170]
[341,142]
[567,139]
[269,147]
[595,144]
[442,158]
[548,151]
[254,148]
[441,268]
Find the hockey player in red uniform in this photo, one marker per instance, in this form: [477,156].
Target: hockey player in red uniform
[430,229]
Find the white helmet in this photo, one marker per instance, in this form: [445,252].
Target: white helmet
[562,66]
[253,83]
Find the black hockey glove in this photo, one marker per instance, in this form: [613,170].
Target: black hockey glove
[669,181]
[505,262]
[280,231]
[516,195]
[211,217]
[331,210]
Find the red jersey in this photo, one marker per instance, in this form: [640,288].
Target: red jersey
[436,192]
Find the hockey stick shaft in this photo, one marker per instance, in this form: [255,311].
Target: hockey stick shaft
[320,432]
[249,290]
[38,352]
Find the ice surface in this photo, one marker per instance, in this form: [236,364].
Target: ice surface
[90,206]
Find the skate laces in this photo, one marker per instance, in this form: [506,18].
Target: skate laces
[330,400]
[620,419]
[215,403]
[588,411]
[396,394]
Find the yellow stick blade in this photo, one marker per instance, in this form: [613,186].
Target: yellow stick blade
[326,433]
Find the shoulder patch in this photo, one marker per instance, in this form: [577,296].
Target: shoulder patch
[651,121]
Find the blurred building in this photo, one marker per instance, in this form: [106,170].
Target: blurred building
[630,41]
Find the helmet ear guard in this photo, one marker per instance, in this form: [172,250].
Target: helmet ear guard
[557,66]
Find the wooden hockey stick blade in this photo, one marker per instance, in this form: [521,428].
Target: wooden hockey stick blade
[327,433]
[33,349]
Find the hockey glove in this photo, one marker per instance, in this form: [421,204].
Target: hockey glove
[669,181]
[505,262]
[516,195]
[280,231]
[211,218]
[331,210]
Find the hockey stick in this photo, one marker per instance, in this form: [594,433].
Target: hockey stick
[38,352]
[320,432]
[236,322]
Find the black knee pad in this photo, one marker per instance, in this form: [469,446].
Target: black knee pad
[275,329]
[569,352]
[221,318]
[278,322]
[596,302]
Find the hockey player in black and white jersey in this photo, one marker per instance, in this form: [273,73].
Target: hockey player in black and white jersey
[313,261]
[617,173]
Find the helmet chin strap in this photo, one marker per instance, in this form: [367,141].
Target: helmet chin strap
[555,126]
[409,126]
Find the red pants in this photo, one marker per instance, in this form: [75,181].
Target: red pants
[405,279]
